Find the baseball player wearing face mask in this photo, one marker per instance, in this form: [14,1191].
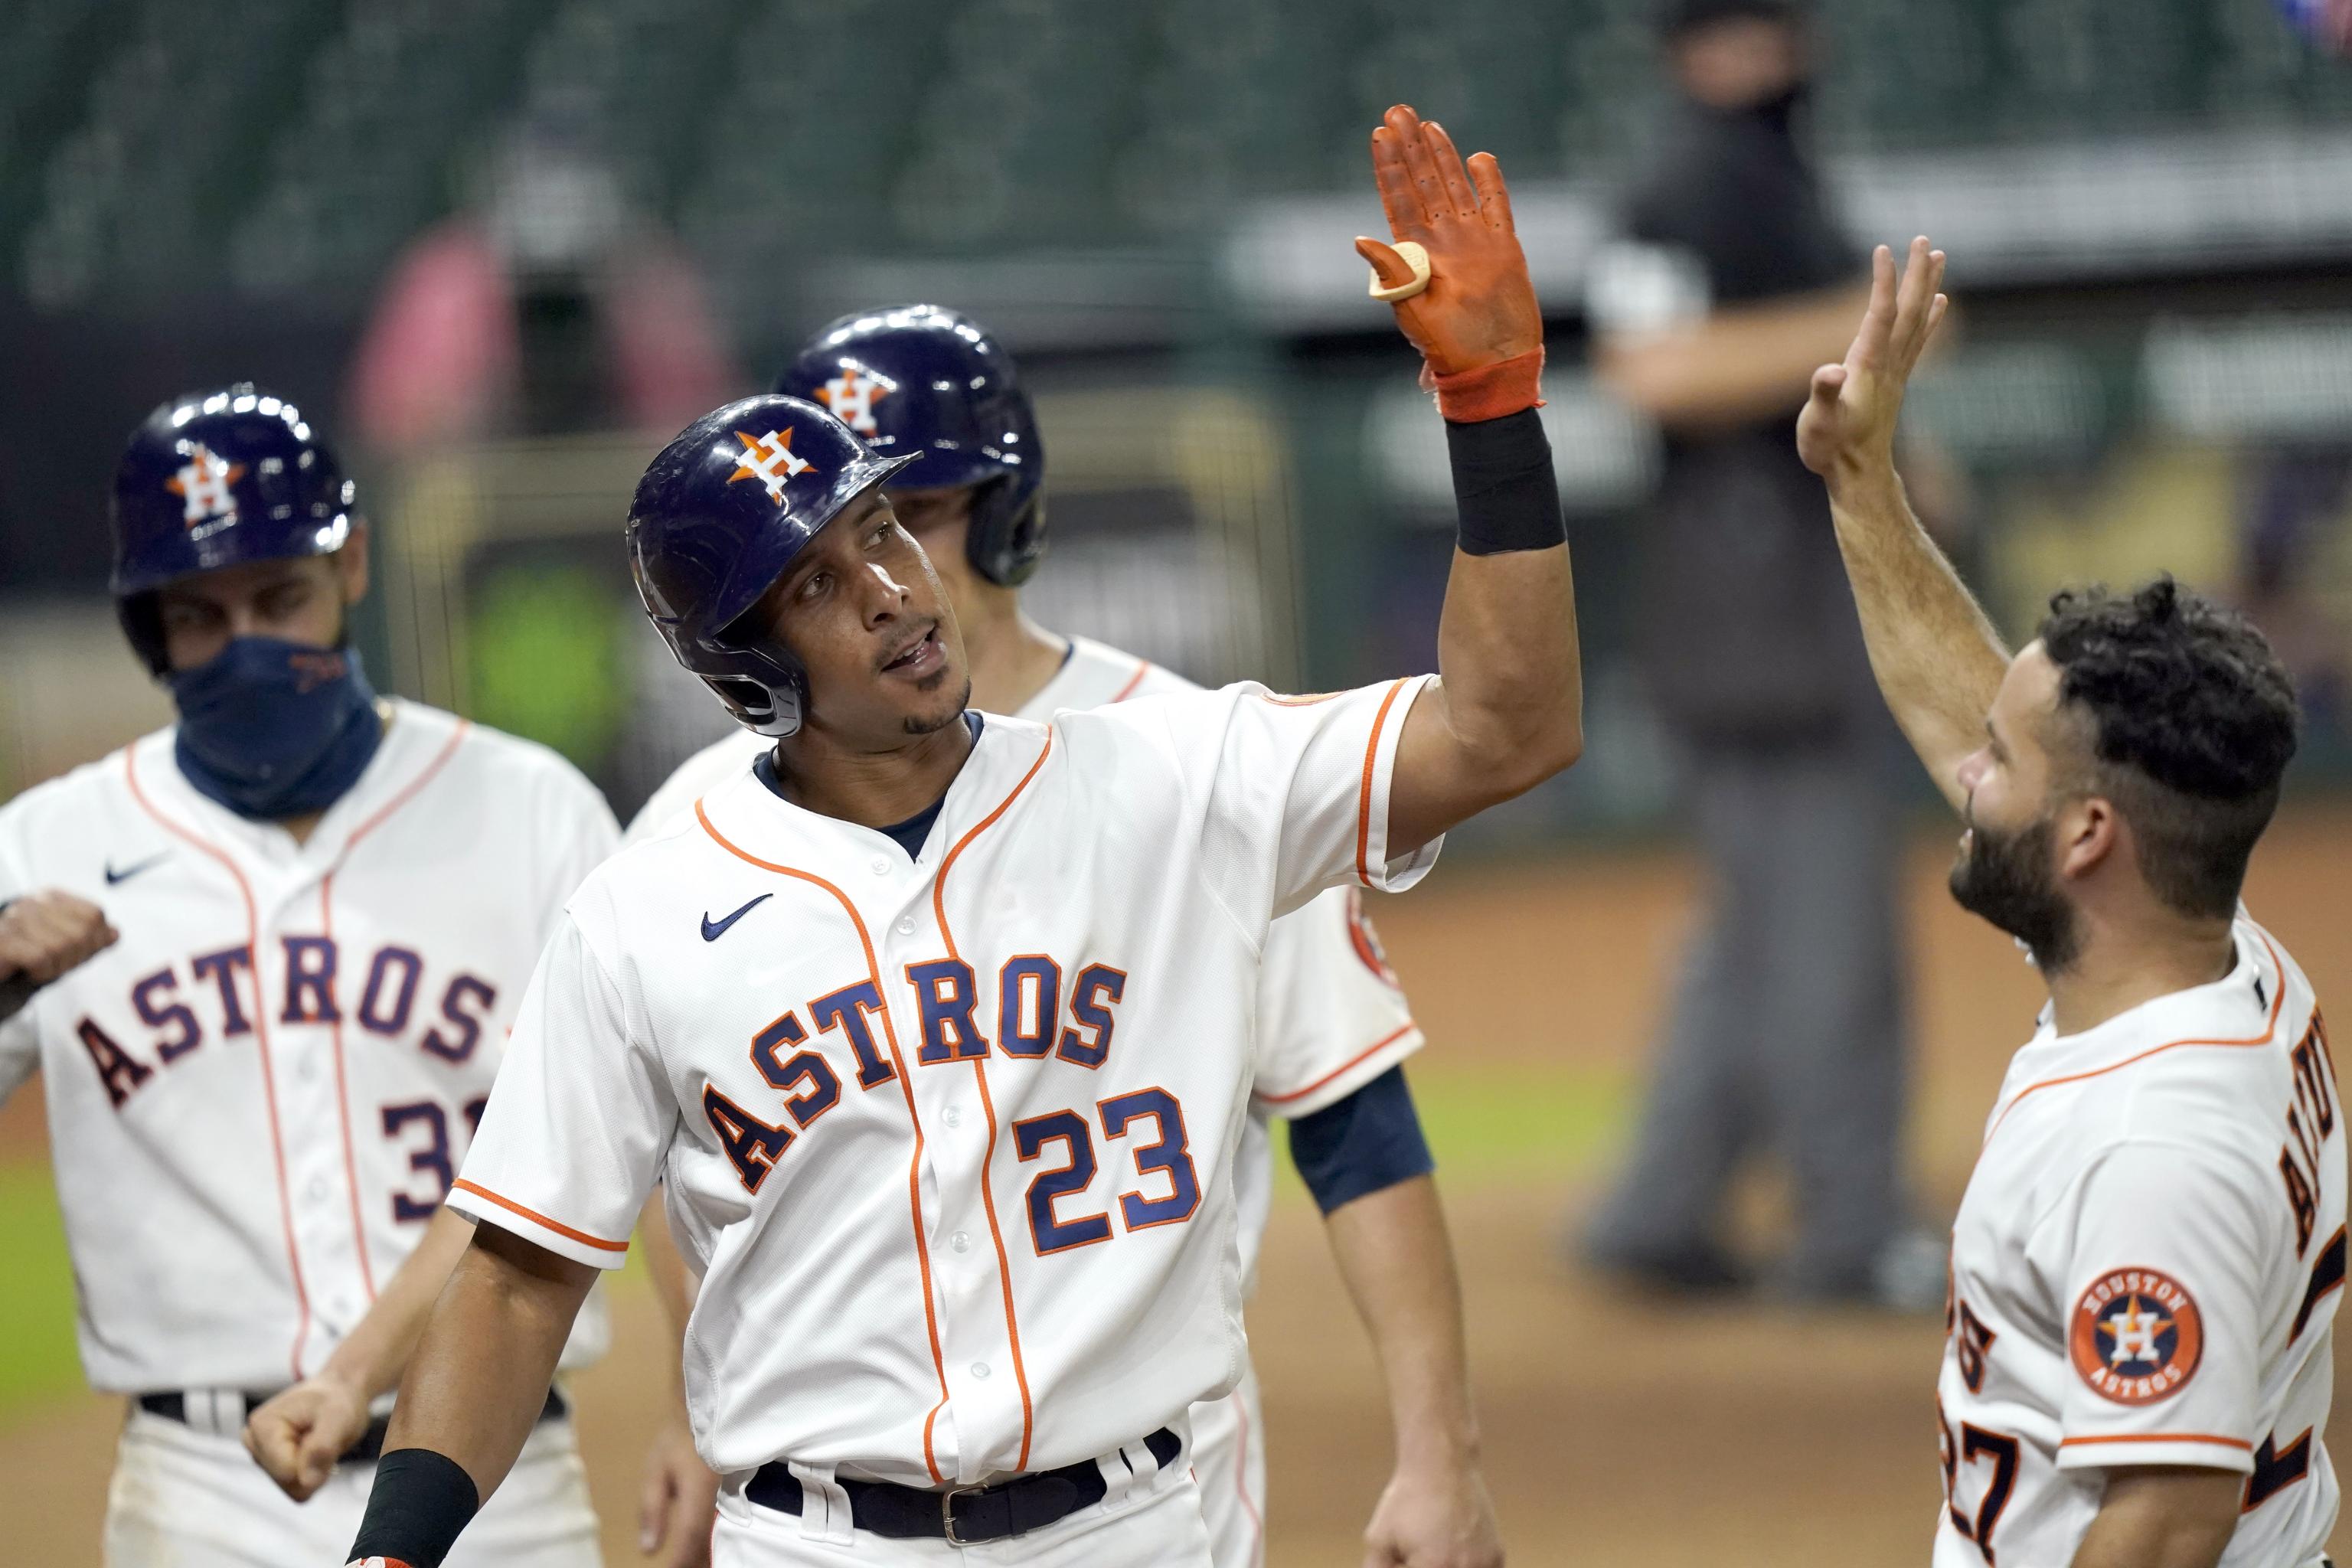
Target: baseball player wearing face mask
[1334,1027]
[265,962]
[938,1030]
[2146,1265]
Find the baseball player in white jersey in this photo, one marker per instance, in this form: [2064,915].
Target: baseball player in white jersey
[266,961]
[1335,1025]
[2147,1264]
[940,1030]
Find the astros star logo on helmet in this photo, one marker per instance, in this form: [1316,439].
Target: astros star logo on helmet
[851,395]
[203,482]
[2136,1337]
[768,458]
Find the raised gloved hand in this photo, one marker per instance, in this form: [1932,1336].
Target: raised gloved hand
[1474,319]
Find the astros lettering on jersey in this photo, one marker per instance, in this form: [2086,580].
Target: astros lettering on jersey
[2146,1270]
[1331,1017]
[1046,1021]
[259,1095]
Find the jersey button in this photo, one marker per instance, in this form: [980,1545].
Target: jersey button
[317,1189]
[961,1241]
[980,1369]
[881,866]
[907,926]
[952,1117]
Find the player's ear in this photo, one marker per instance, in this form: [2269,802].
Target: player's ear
[351,563]
[2089,832]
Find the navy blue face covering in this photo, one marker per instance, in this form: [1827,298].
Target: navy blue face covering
[273,728]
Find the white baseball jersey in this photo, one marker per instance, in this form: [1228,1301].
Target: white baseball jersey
[1331,1015]
[1046,1021]
[259,1095]
[2145,1271]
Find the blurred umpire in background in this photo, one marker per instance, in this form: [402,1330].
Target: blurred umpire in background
[1729,285]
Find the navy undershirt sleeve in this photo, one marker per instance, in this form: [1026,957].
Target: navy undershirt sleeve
[1362,1145]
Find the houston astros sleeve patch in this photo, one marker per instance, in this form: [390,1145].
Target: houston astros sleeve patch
[2136,1336]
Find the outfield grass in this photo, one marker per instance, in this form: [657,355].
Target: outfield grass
[1485,1126]
[36,1299]
[1489,1125]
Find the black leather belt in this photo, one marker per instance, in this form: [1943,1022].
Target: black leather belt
[173,1406]
[964,1516]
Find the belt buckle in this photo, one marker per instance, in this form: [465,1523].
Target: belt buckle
[947,1514]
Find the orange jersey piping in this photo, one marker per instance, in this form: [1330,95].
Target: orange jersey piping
[558,1226]
[2269,1028]
[1364,798]
[1241,1476]
[988,1103]
[261,1033]
[905,1087]
[1142,668]
[2158,1437]
[335,1030]
[1372,1050]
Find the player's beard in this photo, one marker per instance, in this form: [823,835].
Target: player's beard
[926,726]
[2007,879]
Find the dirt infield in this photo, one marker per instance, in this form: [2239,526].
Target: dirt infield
[1616,1433]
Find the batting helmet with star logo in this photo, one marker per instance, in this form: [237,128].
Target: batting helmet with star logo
[719,517]
[216,479]
[922,378]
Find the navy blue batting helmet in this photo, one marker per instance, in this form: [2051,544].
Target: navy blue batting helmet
[921,378]
[212,479]
[719,517]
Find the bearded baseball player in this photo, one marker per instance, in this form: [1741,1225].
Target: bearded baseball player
[940,1030]
[1334,1027]
[2145,1267]
[265,961]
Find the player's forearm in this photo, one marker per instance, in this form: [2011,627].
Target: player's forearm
[1740,364]
[478,1379]
[1508,712]
[371,1360]
[1513,691]
[1938,660]
[1393,1252]
[2163,1517]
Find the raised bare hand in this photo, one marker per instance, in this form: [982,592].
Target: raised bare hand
[1847,427]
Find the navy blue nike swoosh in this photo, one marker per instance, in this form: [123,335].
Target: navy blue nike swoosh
[113,876]
[713,930]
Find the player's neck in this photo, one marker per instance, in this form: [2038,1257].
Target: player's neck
[871,789]
[1012,658]
[2127,964]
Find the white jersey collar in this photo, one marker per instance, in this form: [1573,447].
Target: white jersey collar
[2241,1006]
[1092,675]
[417,741]
[745,816]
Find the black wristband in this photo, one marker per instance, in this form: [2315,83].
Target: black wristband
[421,1501]
[1504,492]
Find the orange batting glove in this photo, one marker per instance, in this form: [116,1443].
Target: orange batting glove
[1475,323]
